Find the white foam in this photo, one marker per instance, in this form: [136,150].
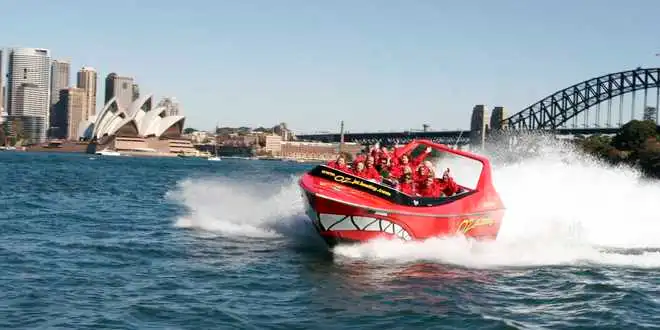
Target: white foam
[236,208]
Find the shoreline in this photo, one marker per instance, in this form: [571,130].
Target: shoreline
[82,149]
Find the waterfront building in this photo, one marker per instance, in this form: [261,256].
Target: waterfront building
[119,88]
[28,92]
[59,80]
[2,84]
[87,80]
[283,131]
[316,150]
[74,101]
[139,128]
[273,144]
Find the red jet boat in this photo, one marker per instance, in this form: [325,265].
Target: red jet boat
[347,209]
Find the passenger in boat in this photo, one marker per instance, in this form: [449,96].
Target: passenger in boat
[383,166]
[399,166]
[371,169]
[365,172]
[384,153]
[359,157]
[371,163]
[407,185]
[424,171]
[429,188]
[447,185]
[385,171]
[374,151]
[339,164]
[359,170]
[404,161]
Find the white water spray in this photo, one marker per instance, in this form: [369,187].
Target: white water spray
[237,208]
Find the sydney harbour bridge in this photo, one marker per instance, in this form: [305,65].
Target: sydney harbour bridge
[599,105]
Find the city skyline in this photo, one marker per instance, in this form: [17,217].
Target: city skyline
[377,66]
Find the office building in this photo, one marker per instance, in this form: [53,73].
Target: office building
[171,106]
[87,80]
[136,92]
[2,85]
[28,91]
[59,80]
[74,100]
[120,88]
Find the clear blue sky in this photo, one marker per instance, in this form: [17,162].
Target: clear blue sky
[378,65]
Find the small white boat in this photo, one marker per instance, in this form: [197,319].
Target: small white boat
[215,157]
[107,152]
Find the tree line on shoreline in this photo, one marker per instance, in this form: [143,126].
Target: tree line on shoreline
[637,144]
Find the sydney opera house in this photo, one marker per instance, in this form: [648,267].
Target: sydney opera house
[142,127]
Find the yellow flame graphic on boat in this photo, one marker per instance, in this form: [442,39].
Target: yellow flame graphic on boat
[468,224]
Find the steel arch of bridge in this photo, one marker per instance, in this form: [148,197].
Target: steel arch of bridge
[556,109]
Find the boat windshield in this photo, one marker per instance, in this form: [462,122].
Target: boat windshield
[463,171]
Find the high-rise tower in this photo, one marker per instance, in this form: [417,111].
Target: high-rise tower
[87,80]
[2,85]
[28,91]
[75,102]
[60,78]
[121,88]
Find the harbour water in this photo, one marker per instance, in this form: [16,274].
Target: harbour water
[91,242]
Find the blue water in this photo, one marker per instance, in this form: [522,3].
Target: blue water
[132,243]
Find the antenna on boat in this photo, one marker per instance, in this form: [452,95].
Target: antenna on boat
[458,139]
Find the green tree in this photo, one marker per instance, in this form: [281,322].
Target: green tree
[596,144]
[649,158]
[189,130]
[18,133]
[633,135]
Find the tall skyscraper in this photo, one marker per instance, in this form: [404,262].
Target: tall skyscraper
[136,91]
[2,85]
[121,88]
[28,91]
[60,79]
[87,80]
[75,101]
[171,106]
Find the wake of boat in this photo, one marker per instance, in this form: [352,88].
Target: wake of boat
[238,208]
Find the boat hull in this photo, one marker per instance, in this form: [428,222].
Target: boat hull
[340,220]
